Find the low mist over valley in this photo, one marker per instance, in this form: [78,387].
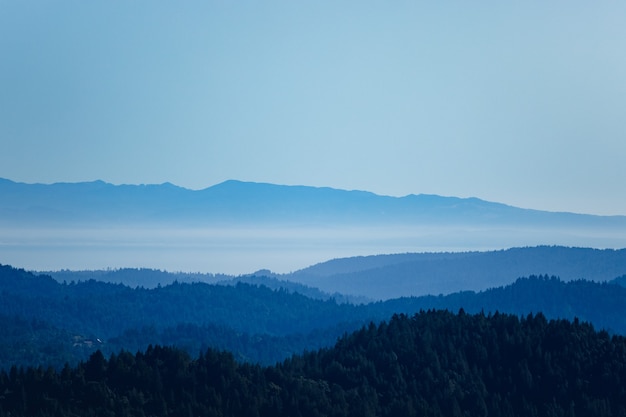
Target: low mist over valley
[303,296]
[312,209]
[238,228]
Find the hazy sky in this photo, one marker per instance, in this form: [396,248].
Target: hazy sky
[521,102]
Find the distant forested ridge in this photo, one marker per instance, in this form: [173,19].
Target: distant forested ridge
[49,323]
[68,321]
[434,363]
[151,278]
[398,275]
[376,277]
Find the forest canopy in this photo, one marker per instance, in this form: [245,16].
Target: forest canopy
[434,363]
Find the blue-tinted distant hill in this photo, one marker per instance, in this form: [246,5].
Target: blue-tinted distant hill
[398,275]
[238,227]
[46,322]
[236,202]
[366,278]
[151,278]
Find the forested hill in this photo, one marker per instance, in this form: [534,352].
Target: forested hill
[48,323]
[397,275]
[237,202]
[432,364]
[152,278]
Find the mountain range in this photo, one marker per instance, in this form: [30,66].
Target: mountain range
[236,202]
[45,322]
[69,317]
[236,228]
[380,277]
[413,274]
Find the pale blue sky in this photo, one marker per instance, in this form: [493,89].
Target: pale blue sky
[521,102]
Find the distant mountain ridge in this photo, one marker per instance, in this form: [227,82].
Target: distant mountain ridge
[150,279]
[238,227]
[416,274]
[46,322]
[247,202]
[363,279]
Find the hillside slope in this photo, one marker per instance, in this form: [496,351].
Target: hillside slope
[430,364]
[66,322]
[414,274]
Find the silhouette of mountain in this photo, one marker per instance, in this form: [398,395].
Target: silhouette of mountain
[237,227]
[245,203]
[151,278]
[399,275]
[363,279]
[48,323]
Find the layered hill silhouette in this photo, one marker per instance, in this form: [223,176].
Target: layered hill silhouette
[49,323]
[392,276]
[380,277]
[239,227]
[246,202]
[433,363]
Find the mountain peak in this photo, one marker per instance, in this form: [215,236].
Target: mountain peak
[244,202]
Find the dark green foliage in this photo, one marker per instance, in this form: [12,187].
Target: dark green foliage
[248,347]
[435,363]
[258,324]
[107,310]
[602,304]
[47,323]
[28,342]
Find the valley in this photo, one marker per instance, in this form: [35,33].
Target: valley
[158,280]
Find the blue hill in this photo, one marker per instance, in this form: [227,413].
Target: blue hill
[236,202]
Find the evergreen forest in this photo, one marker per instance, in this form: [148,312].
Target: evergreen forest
[536,347]
[47,323]
[434,363]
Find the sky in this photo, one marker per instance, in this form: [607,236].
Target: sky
[519,102]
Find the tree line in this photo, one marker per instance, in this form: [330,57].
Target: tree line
[433,363]
[45,322]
